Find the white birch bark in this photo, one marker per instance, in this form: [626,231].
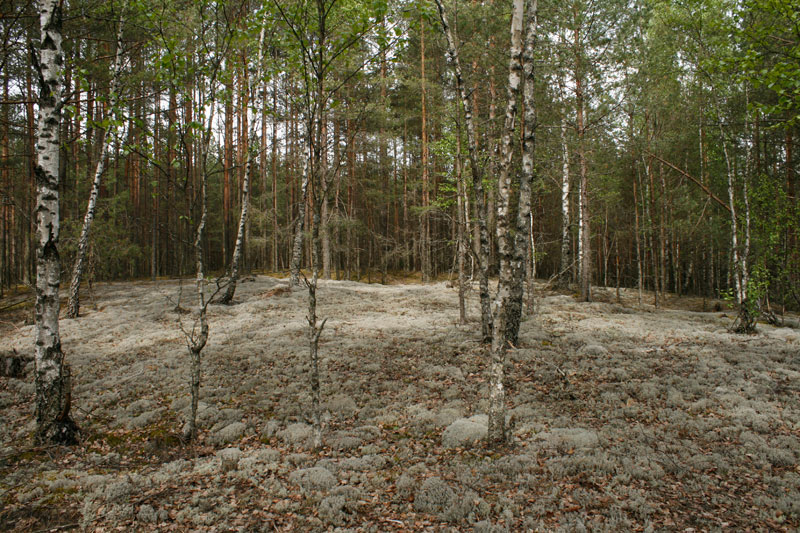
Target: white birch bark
[564,269]
[73,305]
[230,290]
[53,422]
[297,247]
[502,316]
[737,276]
[477,179]
[522,228]
[198,338]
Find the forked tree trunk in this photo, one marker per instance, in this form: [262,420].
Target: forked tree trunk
[506,318]
[477,180]
[198,342]
[73,304]
[53,386]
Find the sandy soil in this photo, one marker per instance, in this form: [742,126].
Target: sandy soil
[622,418]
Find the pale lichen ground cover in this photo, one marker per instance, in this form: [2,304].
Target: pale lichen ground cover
[621,418]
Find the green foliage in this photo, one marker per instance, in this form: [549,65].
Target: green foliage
[771,54]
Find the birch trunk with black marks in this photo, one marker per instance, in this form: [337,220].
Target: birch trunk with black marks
[524,242]
[477,169]
[503,320]
[198,337]
[297,247]
[745,321]
[566,262]
[73,304]
[233,278]
[53,384]
[197,340]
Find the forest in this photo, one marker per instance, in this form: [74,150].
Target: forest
[399,265]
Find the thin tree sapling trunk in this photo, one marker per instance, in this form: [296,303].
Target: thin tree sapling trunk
[73,304]
[297,246]
[461,220]
[233,279]
[467,98]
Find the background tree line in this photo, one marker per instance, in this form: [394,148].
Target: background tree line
[661,125]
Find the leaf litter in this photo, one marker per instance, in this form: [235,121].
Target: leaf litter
[621,418]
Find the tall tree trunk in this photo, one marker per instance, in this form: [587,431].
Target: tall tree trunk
[406,250]
[504,320]
[228,163]
[425,229]
[324,230]
[585,227]
[461,239]
[524,242]
[53,384]
[737,274]
[477,180]
[566,263]
[156,186]
[73,305]
[315,329]
[227,298]
[5,186]
[639,276]
[650,215]
[662,234]
[274,162]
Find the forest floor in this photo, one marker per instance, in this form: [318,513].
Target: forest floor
[622,418]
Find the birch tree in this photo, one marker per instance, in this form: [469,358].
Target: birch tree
[565,268]
[53,383]
[215,52]
[207,46]
[324,31]
[477,169]
[512,234]
[233,278]
[73,305]
[297,243]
